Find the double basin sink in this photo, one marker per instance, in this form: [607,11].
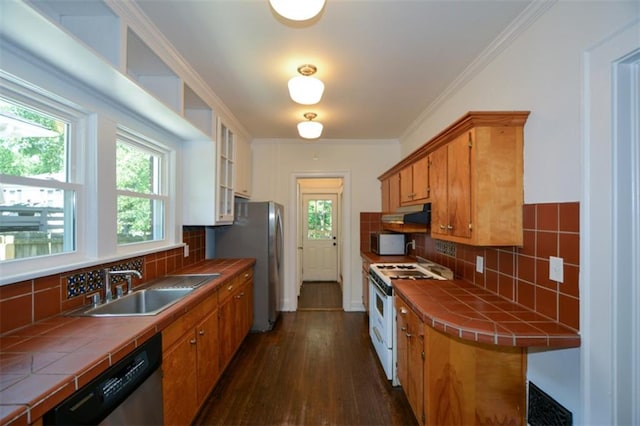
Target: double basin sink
[158,296]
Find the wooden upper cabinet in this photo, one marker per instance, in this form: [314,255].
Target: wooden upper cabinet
[414,183]
[452,203]
[391,193]
[473,175]
[479,195]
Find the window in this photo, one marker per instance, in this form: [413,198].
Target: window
[37,195]
[141,189]
[319,219]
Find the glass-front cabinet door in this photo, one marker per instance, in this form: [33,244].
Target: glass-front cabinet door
[226,164]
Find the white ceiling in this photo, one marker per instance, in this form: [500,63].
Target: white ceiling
[383,62]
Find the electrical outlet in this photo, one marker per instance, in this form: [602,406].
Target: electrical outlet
[480,264]
[556,269]
[186,250]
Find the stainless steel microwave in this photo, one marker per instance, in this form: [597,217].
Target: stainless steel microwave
[387,243]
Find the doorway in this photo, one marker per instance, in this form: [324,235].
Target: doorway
[319,212]
[319,237]
[610,212]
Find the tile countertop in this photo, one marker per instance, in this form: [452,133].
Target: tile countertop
[42,364]
[472,313]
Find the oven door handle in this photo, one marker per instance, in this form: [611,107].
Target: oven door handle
[377,333]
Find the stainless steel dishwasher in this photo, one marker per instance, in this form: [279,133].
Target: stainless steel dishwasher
[128,393]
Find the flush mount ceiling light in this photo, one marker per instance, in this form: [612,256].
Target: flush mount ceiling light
[304,89]
[297,10]
[310,129]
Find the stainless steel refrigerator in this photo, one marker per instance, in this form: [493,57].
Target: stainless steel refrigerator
[257,232]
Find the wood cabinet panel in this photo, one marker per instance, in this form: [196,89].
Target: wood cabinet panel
[414,183]
[179,392]
[207,355]
[410,361]
[467,383]
[365,284]
[391,193]
[452,198]
[236,315]
[455,382]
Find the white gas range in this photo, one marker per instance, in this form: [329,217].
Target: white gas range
[382,315]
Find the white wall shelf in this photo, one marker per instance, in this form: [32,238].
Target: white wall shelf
[110,48]
[151,73]
[198,112]
[91,22]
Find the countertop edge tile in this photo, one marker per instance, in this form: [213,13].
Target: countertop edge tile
[12,414]
[437,309]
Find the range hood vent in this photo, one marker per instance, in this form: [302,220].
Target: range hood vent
[419,214]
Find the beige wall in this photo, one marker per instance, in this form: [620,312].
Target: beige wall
[277,162]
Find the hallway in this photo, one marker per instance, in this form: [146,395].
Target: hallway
[314,368]
[320,296]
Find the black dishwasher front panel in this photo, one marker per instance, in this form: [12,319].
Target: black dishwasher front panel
[95,401]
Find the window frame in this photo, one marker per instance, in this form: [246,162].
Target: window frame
[156,148]
[30,96]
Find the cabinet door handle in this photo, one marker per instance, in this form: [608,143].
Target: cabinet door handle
[201,332]
[408,334]
[403,329]
[442,227]
[449,227]
[230,288]
[403,311]
[192,341]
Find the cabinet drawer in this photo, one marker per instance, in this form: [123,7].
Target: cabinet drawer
[230,288]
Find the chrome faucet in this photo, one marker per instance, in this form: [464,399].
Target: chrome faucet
[107,281]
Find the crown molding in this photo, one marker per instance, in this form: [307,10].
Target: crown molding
[514,30]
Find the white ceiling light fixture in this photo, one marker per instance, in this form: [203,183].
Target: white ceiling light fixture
[304,89]
[297,10]
[310,129]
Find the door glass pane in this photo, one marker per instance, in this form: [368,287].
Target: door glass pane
[319,220]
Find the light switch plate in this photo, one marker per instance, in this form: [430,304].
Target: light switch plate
[480,264]
[556,269]
[186,250]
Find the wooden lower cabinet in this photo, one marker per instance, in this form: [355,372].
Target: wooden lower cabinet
[460,382]
[236,315]
[207,355]
[198,346]
[469,383]
[365,284]
[179,377]
[410,332]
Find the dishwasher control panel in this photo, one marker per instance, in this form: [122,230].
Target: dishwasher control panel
[128,376]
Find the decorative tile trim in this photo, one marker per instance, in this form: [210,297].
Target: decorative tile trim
[86,282]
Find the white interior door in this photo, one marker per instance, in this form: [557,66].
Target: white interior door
[319,237]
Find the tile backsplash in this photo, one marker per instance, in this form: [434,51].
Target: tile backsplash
[519,274]
[27,302]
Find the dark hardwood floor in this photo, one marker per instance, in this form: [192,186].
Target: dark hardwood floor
[320,296]
[314,368]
